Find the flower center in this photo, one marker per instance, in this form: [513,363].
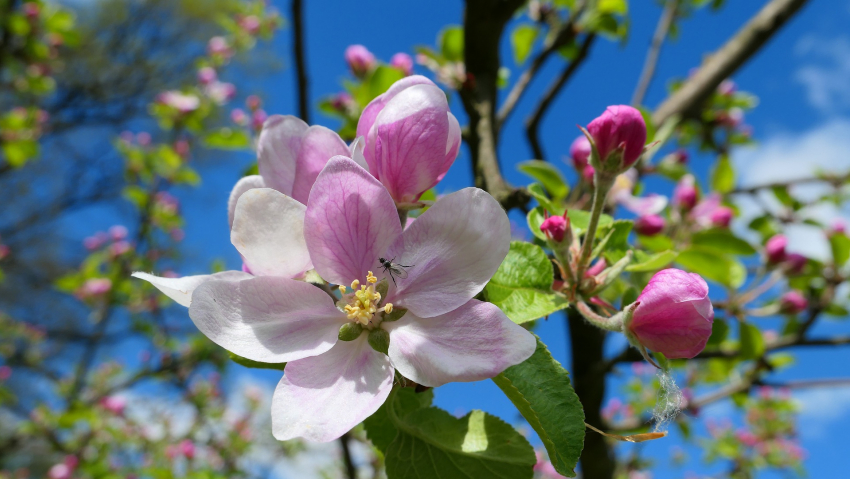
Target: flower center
[364,302]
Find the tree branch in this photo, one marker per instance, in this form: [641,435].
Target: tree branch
[532,125]
[298,48]
[661,31]
[723,63]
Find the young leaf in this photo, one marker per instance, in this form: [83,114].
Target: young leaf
[522,286]
[752,342]
[840,244]
[648,263]
[723,241]
[713,266]
[547,175]
[522,41]
[540,389]
[451,43]
[723,178]
[431,442]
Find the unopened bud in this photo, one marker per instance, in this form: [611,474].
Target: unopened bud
[649,225]
[793,302]
[774,249]
[555,228]
[619,136]
[685,195]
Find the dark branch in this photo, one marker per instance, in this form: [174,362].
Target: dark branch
[298,49]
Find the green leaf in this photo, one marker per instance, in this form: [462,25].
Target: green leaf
[431,442]
[535,219]
[620,238]
[540,389]
[650,126]
[620,7]
[451,43]
[522,41]
[719,331]
[381,79]
[579,219]
[380,428]
[250,363]
[538,193]
[650,263]
[723,177]
[752,342]
[522,286]
[227,139]
[657,243]
[548,175]
[713,266]
[840,244]
[723,241]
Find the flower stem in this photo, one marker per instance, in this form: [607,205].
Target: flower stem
[603,185]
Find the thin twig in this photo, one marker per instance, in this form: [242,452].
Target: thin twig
[298,48]
[661,31]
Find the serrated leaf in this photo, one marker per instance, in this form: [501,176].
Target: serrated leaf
[547,175]
[432,443]
[540,389]
[723,176]
[649,263]
[522,41]
[522,286]
[722,240]
[713,266]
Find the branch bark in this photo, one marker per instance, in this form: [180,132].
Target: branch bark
[723,63]
[532,125]
[298,48]
[661,31]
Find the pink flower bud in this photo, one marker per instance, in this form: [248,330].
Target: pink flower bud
[580,154]
[793,302]
[220,92]
[795,263]
[839,226]
[253,102]
[342,102]
[774,249]
[238,116]
[402,62]
[649,225]
[258,118]
[143,138]
[681,157]
[746,437]
[620,126]
[118,232]
[4,251]
[674,316]
[722,217]
[555,227]
[5,372]
[187,448]
[597,268]
[206,75]
[31,10]
[219,46]
[114,404]
[250,24]
[95,287]
[685,195]
[182,147]
[727,87]
[359,59]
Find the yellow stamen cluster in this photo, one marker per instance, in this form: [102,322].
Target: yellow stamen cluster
[365,300]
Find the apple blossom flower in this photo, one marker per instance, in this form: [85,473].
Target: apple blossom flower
[681,156]
[359,59]
[793,302]
[580,155]
[143,138]
[206,75]
[250,24]
[685,194]
[342,102]
[649,225]
[253,102]
[838,226]
[727,87]
[619,135]
[187,448]
[220,92]
[411,137]
[182,102]
[114,404]
[722,217]
[267,229]
[674,315]
[774,249]
[238,116]
[219,46]
[651,204]
[31,10]
[95,287]
[65,469]
[403,62]
[118,232]
[441,335]
[258,119]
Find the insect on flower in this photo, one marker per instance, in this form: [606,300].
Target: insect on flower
[394,269]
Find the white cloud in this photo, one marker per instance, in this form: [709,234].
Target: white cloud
[825,72]
[820,409]
[789,156]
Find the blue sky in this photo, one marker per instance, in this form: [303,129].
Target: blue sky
[802,121]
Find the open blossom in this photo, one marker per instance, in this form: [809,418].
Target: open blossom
[621,129]
[114,404]
[411,137]
[442,335]
[207,75]
[220,92]
[674,316]
[184,103]
[218,46]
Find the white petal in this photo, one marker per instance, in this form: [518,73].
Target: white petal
[268,230]
[180,289]
[323,397]
[244,184]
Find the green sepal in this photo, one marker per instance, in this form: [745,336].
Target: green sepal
[379,339]
[350,331]
[395,315]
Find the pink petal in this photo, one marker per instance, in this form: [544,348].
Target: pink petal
[350,222]
[452,249]
[367,118]
[181,289]
[278,148]
[268,231]
[267,319]
[651,204]
[474,342]
[318,145]
[409,142]
[452,145]
[321,398]
[244,184]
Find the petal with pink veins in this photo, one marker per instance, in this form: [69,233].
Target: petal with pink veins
[244,184]
[267,319]
[318,145]
[474,342]
[323,397]
[277,151]
[268,231]
[181,289]
[452,250]
[350,222]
